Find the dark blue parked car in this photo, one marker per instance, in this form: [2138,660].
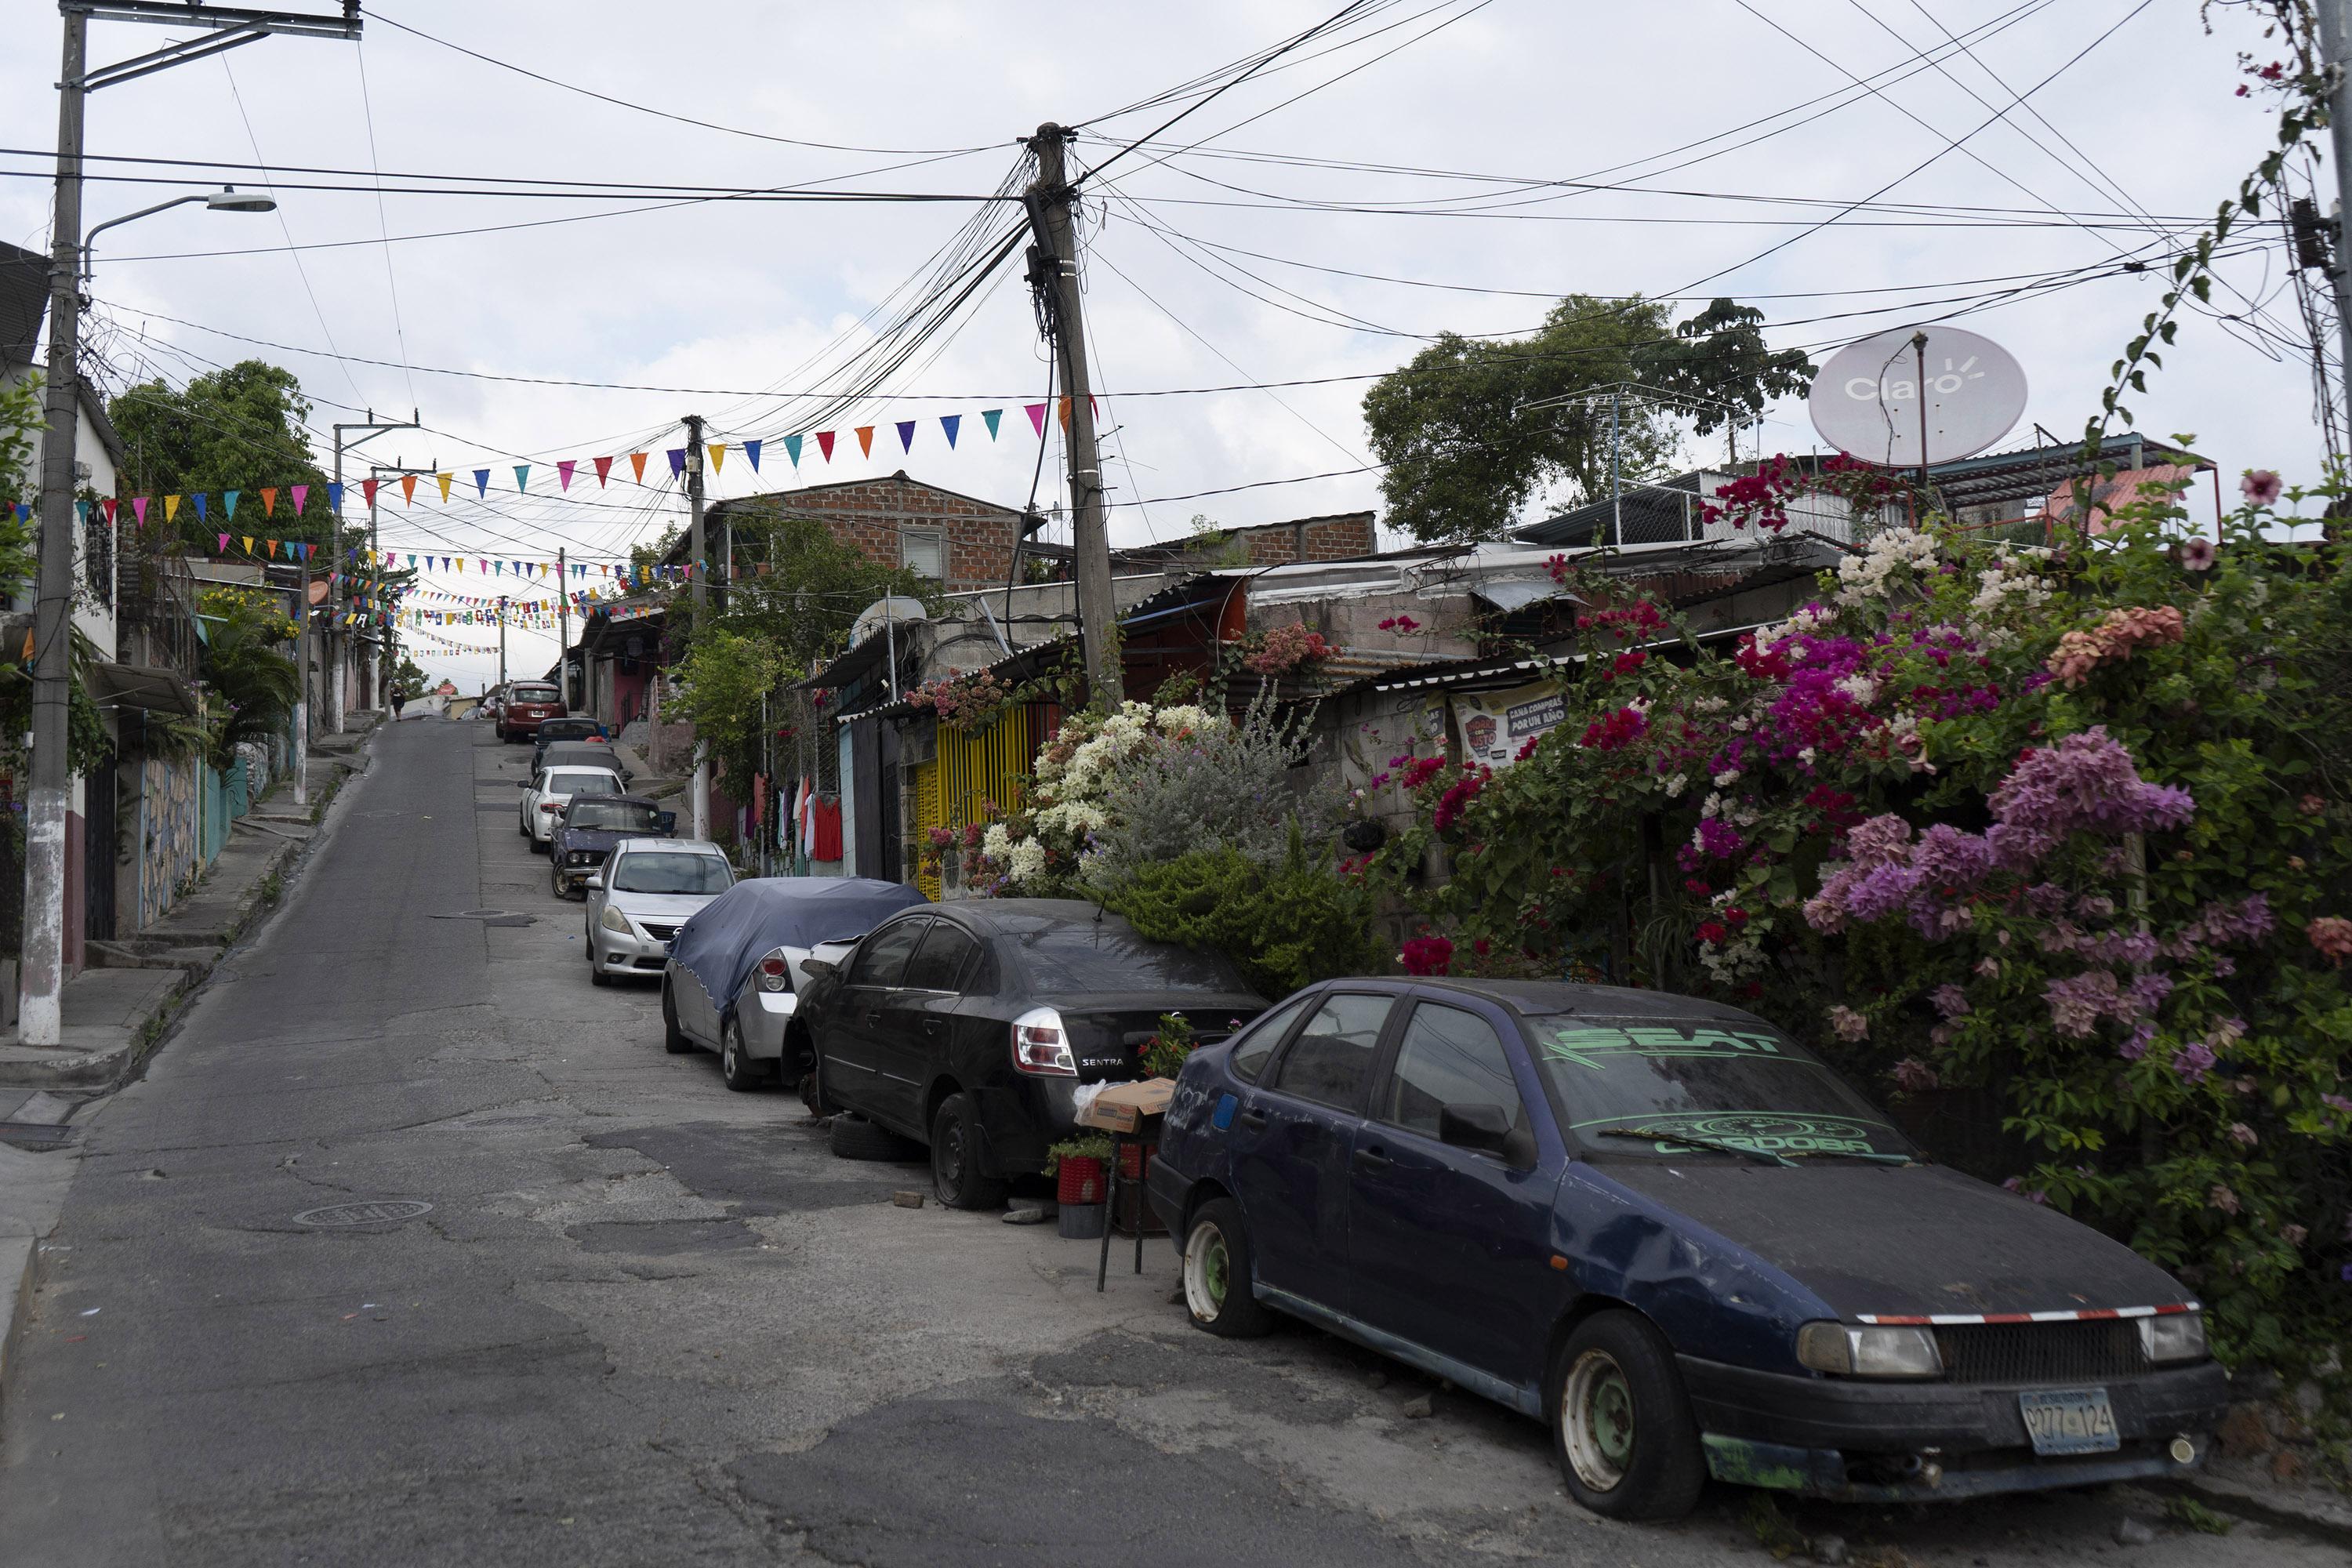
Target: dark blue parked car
[1667,1230]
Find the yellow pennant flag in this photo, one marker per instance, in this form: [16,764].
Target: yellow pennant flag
[248,543]
[717,456]
[443,480]
[170,509]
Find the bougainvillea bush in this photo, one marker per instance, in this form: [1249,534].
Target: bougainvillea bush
[2069,826]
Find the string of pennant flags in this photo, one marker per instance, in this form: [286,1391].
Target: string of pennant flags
[566,470]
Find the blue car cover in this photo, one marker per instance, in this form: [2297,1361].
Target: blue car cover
[726,937]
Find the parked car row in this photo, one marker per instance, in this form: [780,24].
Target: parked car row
[1660,1226]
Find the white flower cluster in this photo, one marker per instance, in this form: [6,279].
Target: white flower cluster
[1863,577]
[1736,961]
[1075,776]
[2009,580]
[1808,618]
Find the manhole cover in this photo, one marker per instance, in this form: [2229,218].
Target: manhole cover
[390,1211]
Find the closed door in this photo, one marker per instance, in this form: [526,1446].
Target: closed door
[912,1039]
[853,1042]
[1451,1247]
[1292,1142]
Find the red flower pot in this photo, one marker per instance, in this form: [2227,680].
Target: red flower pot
[1079,1179]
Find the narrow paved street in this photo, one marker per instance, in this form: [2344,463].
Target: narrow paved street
[635,1318]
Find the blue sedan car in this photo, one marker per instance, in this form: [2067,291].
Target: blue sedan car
[1668,1231]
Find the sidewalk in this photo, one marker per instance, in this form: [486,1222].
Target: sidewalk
[117,1008]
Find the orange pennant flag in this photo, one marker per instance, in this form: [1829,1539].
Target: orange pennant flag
[273,543]
[637,462]
[408,489]
[268,500]
[866,440]
[1065,414]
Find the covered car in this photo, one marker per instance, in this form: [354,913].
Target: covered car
[973,1027]
[737,970]
[647,890]
[591,826]
[1669,1231]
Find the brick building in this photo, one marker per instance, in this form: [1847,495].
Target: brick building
[959,541]
[1337,536]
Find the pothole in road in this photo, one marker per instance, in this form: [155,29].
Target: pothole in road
[343,1217]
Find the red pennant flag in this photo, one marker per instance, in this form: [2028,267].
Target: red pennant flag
[604,466]
[108,504]
[824,443]
[637,462]
[866,440]
[1036,411]
[368,489]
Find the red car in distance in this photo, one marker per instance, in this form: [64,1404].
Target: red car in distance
[528,704]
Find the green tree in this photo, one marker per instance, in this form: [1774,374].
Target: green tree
[236,429]
[1466,450]
[245,671]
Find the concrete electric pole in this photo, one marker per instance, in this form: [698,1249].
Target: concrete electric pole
[2335,46]
[372,427]
[563,627]
[1054,275]
[698,577]
[48,796]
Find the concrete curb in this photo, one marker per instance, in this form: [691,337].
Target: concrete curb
[16,1256]
[2320,1519]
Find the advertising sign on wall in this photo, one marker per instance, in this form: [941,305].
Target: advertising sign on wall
[1495,726]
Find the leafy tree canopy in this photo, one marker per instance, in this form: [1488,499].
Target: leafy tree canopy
[1467,451]
[234,429]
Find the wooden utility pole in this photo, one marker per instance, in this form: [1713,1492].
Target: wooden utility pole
[698,576]
[1053,276]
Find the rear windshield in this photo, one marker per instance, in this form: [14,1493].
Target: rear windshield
[670,871]
[1075,959]
[583,781]
[610,816]
[1744,1084]
[534,694]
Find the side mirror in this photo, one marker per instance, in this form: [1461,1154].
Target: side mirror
[1486,1128]
[665,822]
[815,967]
[522,783]
[596,879]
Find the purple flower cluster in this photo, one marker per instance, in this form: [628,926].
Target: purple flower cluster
[1719,838]
[2086,783]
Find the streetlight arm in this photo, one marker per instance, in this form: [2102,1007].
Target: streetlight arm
[91,239]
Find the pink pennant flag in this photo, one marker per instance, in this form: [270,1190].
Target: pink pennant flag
[563,472]
[300,493]
[1036,411]
[223,544]
[138,506]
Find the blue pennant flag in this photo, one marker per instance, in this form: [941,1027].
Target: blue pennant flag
[948,422]
[751,450]
[481,482]
[906,435]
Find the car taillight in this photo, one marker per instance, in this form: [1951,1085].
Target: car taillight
[1041,1047]
[775,972]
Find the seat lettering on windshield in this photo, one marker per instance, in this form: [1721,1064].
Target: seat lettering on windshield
[1591,1047]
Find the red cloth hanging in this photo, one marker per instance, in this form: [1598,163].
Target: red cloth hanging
[825,828]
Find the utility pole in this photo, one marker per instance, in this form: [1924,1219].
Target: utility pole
[563,628]
[372,426]
[2336,48]
[699,579]
[502,643]
[1054,278]
[1616,476]
[209,30]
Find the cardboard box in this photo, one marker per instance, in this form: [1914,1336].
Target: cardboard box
[1124,1107]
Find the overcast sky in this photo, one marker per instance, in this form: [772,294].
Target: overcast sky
[2137,137]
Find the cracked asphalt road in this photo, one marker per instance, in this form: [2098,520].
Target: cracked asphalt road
[645,1321]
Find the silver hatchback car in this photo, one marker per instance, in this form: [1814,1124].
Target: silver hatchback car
[644,892]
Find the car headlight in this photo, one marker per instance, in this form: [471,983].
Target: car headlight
[776,971]
[1869,1351]
[2173,1336]
[614,920]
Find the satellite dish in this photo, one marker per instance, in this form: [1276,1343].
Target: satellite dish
[871,620]
[1865,399]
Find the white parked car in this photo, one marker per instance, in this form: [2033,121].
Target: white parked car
[546,793]
[637,901]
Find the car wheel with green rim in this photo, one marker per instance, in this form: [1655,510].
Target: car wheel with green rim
[1621,1425]
[1217,1273]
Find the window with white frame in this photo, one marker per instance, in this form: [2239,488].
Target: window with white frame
[924,552]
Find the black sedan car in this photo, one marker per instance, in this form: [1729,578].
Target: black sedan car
[590,825]
[970,1026]
[1667,1230]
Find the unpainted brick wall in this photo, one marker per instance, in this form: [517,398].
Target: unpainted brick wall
[1328,539]
[871,514]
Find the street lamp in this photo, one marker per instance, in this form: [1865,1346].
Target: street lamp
[227,199]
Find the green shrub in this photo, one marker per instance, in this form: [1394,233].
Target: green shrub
[1284,926]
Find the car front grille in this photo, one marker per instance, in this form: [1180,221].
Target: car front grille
[659,932]
[2042,1352]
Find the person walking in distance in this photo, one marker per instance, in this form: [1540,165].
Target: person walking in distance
[399,701]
